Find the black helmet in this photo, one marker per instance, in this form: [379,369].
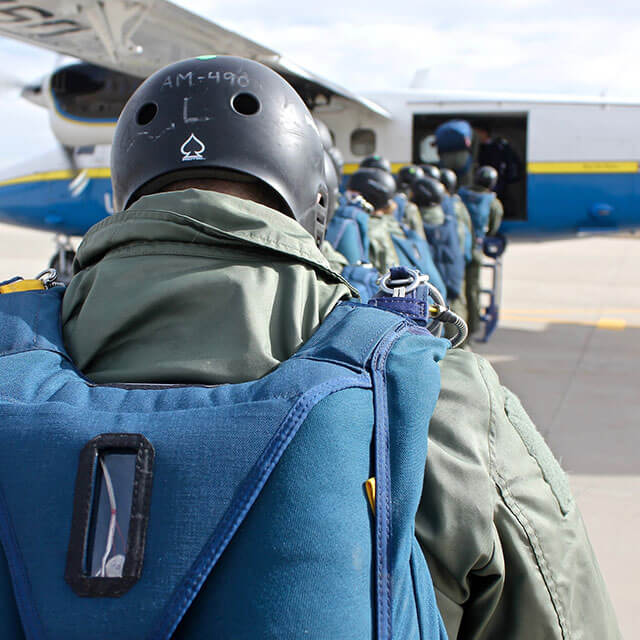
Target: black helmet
[427,192]
[221,115]
[407,175]
[431,170]
[338,160]
[375,185]
[376,162]
[449,180]
[486,177]
[332,185]
[325,134]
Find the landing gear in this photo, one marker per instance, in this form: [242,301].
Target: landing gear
[62,260]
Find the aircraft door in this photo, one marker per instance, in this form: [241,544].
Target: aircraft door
[499,140]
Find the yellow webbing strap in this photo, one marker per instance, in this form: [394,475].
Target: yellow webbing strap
[370,488]
[22,285]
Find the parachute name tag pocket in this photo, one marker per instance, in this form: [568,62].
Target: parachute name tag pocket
[110,515]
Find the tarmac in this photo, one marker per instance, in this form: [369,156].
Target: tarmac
[568,344]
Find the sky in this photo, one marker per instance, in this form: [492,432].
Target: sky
[559,46]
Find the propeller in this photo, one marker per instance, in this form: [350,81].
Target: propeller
[9,82]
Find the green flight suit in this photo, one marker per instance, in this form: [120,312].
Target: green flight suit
[502,534]
[178,263]
[413,219]
[472,272]
[172,288]
[432,215]
[459,304]
[336,260]
[382,251]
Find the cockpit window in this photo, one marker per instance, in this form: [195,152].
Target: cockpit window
[88,93]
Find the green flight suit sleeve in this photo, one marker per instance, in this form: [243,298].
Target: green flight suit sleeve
[413,219]
[496,214]
[503,537]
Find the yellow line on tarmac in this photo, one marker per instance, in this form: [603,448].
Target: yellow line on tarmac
[611,324]
[614,324]
[612,310]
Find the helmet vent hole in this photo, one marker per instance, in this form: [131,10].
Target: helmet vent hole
[245,104]
[147,113]
[322,200]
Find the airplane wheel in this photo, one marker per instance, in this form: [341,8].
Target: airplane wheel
[62,262]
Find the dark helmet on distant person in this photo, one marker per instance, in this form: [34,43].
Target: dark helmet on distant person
[449,180]
[486,177]
[376,162]
[338,160]
[224,117]
[407,175]
[325,134]
[332,185]
[427,192]
[376,186]
[431,170]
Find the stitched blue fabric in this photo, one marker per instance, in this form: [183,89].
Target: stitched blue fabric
[259,522]
[479,205]
[364,278]
[348,233]
[401,204]
[446,252]
[415,252]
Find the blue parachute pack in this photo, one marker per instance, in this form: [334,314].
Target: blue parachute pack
[415,252]
[454,135]
[479,205]
[401,206]
[279,508]
[449,206]
[364,277]
[446,252]
[348,232]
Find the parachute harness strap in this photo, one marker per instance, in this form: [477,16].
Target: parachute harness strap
[42,281]
[399,282]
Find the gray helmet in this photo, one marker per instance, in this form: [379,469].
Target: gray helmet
[449,180]
[332,186]
[221,116]
[408,175]
[427,192]
[375,185]
[325,134]
[376,162]
[431,170]
[338,160]
[486,177]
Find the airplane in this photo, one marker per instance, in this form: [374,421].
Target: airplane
[581,154]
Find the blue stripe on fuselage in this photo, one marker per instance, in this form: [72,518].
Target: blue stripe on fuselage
[563,203]
[49,205]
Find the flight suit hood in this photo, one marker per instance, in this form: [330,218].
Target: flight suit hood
[195,287]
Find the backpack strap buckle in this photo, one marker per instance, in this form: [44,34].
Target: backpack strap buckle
[409,293]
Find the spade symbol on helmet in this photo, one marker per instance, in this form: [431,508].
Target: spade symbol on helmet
[192,149]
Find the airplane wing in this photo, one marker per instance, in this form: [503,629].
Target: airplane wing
[140,36]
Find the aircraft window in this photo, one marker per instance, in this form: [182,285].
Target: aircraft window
[87,92]
[429,151]
[363,142]
[86,150]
